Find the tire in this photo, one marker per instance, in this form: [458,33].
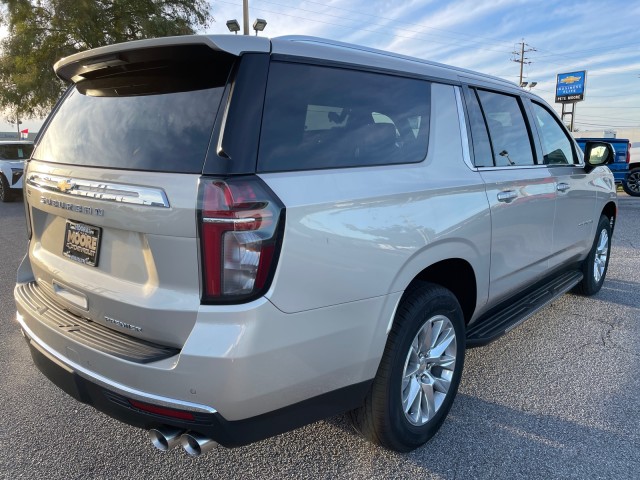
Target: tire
[594,267]
[410,397]
[631,185]
[5,190]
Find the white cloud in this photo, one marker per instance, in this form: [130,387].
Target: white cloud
[478,35]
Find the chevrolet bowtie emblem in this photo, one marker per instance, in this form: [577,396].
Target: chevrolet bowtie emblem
[571,79]
[65,185]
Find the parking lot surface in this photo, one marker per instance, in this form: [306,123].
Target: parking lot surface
[558,397]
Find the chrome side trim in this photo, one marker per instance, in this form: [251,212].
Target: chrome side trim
[110,192]
[463,129]
[512,167]
[110,384]
[235,221]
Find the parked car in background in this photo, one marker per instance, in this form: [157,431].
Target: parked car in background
[625,171]
[13,153]
[255,234]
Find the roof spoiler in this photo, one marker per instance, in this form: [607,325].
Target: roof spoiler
[73,67]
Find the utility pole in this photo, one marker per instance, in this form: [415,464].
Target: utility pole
[18,122]
[520,58]
[245,16]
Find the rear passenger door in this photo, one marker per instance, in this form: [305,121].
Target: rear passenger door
[521,193]
[576,198]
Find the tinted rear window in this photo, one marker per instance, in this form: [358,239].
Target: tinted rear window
[15,152]
[154,117]
[323,117]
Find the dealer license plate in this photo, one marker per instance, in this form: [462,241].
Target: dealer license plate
[82,243]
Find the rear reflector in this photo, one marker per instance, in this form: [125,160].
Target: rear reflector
[239,237]
[165,412]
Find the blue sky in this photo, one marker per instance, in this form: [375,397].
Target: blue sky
[600,37]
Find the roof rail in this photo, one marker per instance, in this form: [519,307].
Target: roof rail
[349,46]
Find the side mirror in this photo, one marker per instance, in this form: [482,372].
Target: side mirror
[598,153]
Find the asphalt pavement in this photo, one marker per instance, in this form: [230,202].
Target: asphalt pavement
[558,397]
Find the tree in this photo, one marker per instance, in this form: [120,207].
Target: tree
[40,32]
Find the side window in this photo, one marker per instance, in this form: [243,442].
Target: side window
[481,145]
[322,117]
[556,146]
[508,130]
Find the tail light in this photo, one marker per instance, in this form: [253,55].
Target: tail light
[628,152]
[240,234]
[25,199]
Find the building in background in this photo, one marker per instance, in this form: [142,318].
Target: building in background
[14,136]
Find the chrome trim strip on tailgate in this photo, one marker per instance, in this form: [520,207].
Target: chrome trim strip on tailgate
[110,192]
[112,385]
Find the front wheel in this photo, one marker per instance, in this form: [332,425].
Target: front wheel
[594,267]
[419,373]
[631,185]
[5,190]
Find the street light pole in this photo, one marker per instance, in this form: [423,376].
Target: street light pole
[245,16]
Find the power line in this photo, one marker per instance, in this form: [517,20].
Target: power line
[349,27]
[597,117]
[598,106]
[607,125]
[471,38]
[572,52]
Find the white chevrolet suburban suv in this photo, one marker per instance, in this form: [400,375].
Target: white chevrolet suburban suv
[230,237]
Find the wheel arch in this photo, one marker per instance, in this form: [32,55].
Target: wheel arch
[634,165]
[610,211]
[456,275]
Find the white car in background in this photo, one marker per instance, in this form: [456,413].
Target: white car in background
[13,153]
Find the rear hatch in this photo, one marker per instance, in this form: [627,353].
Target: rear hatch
[112,186]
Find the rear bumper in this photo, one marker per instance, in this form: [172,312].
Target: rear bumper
[205,420]
[247,371]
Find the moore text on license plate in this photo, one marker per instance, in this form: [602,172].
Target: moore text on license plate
[82,243]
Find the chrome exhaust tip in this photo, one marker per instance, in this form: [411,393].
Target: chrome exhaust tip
[165,438]
[196,444]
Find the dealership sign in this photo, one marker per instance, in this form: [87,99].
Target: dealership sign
[570,87]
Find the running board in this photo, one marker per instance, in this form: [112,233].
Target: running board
[497,323]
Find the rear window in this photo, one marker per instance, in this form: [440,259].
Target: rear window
[152,117]
[324,117]
[15,152]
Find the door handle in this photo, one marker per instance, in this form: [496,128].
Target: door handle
[507,195]
[563,187]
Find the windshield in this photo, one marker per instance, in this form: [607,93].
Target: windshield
[15,151]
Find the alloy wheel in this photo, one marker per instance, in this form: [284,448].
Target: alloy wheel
[633,182]
[600,260]
[428,370]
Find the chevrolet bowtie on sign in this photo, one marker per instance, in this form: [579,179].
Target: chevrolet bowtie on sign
[570,87]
